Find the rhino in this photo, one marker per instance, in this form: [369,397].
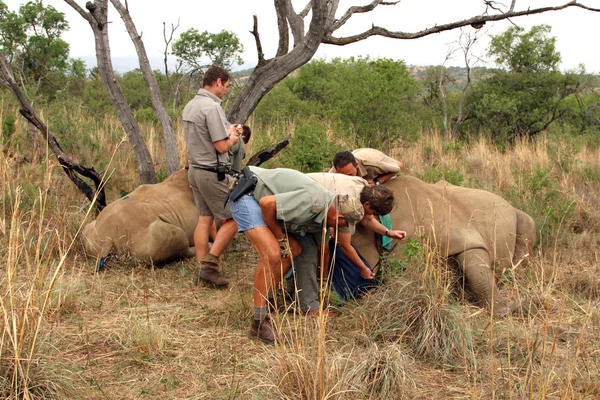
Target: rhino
[476,228]
[154,223]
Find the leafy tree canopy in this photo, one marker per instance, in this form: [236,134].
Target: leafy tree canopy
[372,99]
[530,95]
[521,51]
[31,39]
[221,48]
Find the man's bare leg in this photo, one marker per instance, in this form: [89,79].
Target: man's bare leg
[224,236]
[201,235]
[209,269]
[267,276]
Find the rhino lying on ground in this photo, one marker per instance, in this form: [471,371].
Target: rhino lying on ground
[154,223]
[477,228]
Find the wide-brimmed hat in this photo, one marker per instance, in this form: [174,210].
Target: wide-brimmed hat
[352,210]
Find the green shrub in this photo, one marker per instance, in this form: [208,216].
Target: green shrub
[8,127]
[310,149]
[552,209]
[435,174]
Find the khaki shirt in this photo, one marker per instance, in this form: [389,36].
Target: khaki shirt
[340,184]
[204,123]
[372,163]
[301,202]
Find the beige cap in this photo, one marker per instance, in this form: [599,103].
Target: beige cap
[352,210]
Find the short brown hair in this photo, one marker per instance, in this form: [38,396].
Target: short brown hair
[344,158]
[379,197]
[246,133]
[213,73]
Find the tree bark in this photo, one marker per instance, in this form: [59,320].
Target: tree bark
[97,18]
[172,157]
[70,167]
[265,77]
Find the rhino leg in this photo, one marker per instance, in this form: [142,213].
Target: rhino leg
[161,242]
[526,236]
[476,267]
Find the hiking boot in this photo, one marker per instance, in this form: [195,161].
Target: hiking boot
[209,271]
[263,331]
[211,276]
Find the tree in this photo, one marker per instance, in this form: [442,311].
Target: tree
[372,99]
[530,95]
[438,78]
[322,27]
[522,52]
[221,48]
[97,17]
[31,41]
[155,95]
[69,166]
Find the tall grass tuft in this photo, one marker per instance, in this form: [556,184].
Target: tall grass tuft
[34,262]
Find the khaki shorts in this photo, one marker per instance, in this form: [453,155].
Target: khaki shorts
[209,193]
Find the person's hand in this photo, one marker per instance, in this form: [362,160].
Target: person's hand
[366,273]
[284,246]
[394,234]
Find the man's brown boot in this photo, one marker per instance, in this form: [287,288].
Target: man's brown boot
[263,331]
[209,271]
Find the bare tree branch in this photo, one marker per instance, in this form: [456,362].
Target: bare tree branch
[360,9]
[305,10]
[70,167]
[172,157]
[259,50]
[378,31]
[80,10]
[97,19]
[282,27]
[296,22]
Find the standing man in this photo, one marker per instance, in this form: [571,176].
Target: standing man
[370,164]
[209,137]
[286,205]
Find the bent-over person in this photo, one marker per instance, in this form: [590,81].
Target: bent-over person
[285,205]
[370,164]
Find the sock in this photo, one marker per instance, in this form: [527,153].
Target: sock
[260,313]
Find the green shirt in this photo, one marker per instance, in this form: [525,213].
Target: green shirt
[301,202]
[237,154]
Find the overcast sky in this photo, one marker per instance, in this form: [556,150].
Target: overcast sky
[576,30]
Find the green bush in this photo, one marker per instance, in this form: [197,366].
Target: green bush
[552,209]
[8,127]
[435,174]
[310,149]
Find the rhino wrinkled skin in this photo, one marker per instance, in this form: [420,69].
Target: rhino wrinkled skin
[154,223]
[477,228]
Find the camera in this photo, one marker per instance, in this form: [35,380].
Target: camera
[220,172]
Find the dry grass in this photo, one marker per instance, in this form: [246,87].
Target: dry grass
[140,332]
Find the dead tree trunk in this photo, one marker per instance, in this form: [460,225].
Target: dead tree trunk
[70,167]
[157,101]
[97,18]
